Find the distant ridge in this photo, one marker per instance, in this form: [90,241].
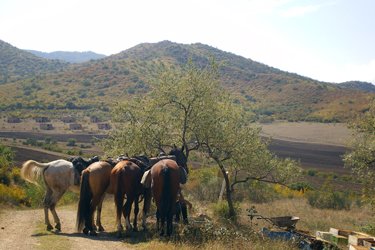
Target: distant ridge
[365,86]
[68,56]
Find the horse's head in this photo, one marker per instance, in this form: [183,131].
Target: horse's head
[94,159]
[180,157]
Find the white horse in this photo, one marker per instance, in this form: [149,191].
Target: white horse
[58,176]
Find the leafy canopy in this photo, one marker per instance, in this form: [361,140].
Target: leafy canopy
[361,154]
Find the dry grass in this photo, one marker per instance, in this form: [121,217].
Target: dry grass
[311,219]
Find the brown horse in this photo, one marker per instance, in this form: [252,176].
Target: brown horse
[95,182]
[126,180]
[165,181]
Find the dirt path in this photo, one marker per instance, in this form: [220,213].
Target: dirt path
[21,230]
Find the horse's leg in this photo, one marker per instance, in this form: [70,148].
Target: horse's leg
[56,197]
[136,211]
[169,221]
[98,214]
[94,203]
[126,210]
[146,206]
[46,202]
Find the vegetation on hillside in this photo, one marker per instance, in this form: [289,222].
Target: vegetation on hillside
[16,64]
[96,84]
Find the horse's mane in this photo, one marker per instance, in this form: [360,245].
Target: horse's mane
[111,161]
[85,163]
[180,158]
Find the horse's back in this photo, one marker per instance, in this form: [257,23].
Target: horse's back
[128,174]
[99,173]
[59,174]
[157,179]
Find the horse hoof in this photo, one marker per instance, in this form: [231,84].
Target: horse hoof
[101,229]
[58,226]
[49,227]
[86,231]
[93,233]
[119,235]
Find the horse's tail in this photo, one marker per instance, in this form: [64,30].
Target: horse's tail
[165,195]
[119,195]
[32,170]
[85,196]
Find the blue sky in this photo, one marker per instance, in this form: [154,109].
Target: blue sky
[327,40]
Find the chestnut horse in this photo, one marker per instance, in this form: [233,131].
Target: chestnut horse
[165,181]
[94,184]
[58,176]
[126,180]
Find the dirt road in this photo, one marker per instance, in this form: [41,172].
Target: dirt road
[26,230]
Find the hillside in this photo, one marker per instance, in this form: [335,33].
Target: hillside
[365,86]
[16,64]
[269,92]
[68,56]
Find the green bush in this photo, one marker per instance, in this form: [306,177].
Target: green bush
[329,199]
[71,142]
[221,210]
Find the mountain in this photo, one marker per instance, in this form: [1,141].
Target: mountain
[365,86]
[268,92]
[67,56]
[16,64]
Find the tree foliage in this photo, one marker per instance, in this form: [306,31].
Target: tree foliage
[361,155]
[189,108]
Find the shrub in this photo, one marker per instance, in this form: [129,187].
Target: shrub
[312,172]
[329,199]
[71,142]
[13,194]
[221,210]
[304,186]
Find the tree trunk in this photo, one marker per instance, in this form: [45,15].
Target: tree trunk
[228,192]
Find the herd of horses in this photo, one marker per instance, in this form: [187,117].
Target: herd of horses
[120,177]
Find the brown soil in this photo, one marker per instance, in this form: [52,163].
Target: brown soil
[19,231]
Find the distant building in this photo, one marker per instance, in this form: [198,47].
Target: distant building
[94,119]
[75,126]
[45,126]
[14,120]
[104,126]
[41,119]
[69,119]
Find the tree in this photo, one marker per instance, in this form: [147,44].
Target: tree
[361,155]
[48,139]
[71,142]
[190,109]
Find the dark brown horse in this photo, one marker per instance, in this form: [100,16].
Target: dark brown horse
[126,180]
[165,181]
[95,182]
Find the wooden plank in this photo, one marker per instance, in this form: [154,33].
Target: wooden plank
[323,235]
[334,231]
[369,243]
[357,240]
[351,247]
